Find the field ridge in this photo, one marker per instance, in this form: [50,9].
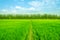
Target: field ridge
[30,31]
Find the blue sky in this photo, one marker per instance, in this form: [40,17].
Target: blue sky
[30,6]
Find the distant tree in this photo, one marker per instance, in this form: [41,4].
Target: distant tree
[33,16]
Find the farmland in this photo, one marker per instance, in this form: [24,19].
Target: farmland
[29,29]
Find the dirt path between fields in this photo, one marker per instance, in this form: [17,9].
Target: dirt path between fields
[30,31]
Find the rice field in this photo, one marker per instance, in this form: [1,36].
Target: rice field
[25,29]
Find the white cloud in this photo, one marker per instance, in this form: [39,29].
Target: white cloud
[17,7]
[9,10]
[47,1]
[4,10]
[14,11]
[31,8]
[28,9]
[50,1]
[24,9]
[20,8]
[35,3]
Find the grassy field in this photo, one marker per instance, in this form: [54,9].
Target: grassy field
[23,29]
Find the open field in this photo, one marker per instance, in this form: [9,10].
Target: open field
[25,29]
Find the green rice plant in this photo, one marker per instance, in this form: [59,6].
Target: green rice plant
[25,29]
[46,29]
[13,29]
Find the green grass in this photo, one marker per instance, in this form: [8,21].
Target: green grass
[46,29]
[23,29]
[14,29]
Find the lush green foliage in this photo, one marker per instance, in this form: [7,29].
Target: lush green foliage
[19,29]
[13,29]
[46,29]
[32,16]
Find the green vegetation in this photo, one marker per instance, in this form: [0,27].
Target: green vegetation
[31,16]
[14,29]
[46,29]
[25,29]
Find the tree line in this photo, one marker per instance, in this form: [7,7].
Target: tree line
[31,16]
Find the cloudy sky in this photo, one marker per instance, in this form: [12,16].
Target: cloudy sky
[30,6]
